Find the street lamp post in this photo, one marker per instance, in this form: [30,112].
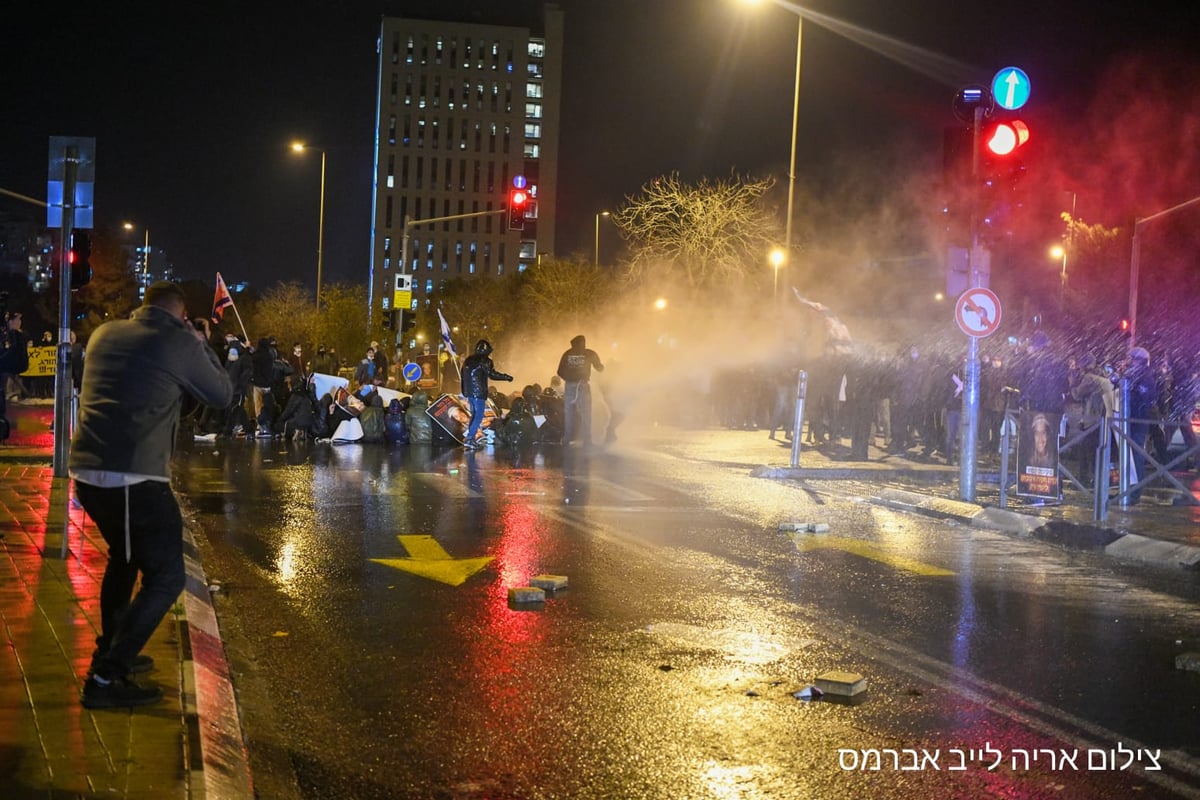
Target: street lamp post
[787,225]
[145,252]
[300,147]
[596,257]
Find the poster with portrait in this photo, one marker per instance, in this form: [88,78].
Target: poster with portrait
[1037,455]
[430,375]
[453,414]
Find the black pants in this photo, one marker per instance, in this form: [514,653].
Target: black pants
[156,551]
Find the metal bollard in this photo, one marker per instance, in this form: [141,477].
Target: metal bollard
[1125,457]
[798,425]
[1005,449]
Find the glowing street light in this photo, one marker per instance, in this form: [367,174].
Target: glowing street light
[300,147]
[778,258]
[1059,253]
[660,304]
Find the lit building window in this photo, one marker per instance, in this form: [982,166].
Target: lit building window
[533,90]
[533,110]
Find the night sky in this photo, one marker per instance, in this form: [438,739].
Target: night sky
[193,104]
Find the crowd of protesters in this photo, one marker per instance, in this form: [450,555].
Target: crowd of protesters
[909,403]
[276,396]
[905,403]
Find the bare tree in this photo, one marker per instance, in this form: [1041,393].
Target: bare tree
[478,308]
[556,291]
[286,311]
[705,235]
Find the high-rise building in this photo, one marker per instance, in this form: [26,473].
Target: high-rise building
[466,111]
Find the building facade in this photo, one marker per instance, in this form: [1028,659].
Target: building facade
[465,112]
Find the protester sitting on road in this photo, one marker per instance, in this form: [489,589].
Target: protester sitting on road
[420,426]
[298,416]
[518,429]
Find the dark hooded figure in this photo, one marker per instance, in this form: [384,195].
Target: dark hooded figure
[395,429]
[575,368]
[420,426]
[520,429]
[476,371]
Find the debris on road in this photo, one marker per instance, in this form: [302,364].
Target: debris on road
[1188,661]
[526,594]
[805,527]
[843,684]
[551,583]
[808,693]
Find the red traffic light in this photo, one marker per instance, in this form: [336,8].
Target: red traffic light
[1005,137]
[518,205]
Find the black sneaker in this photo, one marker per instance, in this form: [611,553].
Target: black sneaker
[117,693]
[142,663]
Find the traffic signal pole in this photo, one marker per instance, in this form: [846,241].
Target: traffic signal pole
[969,427]
[409,224]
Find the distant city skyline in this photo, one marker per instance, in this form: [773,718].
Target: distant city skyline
[193,108]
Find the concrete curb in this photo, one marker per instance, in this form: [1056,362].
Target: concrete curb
[1142,548]
[222,767]
[1068,534]
[842,473]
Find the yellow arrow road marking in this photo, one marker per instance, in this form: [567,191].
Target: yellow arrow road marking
[807,542]
[427,559]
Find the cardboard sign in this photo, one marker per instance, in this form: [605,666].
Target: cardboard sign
[453,414]
[429,371]
[42,362]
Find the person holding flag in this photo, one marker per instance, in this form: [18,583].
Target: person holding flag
[222,300]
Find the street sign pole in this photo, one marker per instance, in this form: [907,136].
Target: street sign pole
[62,380]
[969,425]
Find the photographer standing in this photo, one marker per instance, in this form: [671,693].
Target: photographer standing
[14,359]
[134,379]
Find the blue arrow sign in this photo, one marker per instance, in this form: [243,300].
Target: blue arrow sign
[412,372]
[1010,88]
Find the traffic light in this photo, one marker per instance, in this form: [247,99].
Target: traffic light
[408,321]
[518,203]
[389,320]
[1003,138]
[80,259]
[1001,169]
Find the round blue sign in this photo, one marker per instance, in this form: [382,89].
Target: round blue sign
[412,372]
[1010,88]
[519,182]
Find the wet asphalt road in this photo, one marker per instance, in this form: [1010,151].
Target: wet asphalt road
[668,667]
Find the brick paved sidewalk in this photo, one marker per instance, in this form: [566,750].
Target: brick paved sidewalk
[189,745]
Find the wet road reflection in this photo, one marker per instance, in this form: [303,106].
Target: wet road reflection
[668,667]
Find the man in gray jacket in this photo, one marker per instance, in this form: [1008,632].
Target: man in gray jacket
[134,378]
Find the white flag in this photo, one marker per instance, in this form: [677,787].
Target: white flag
[446,335]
